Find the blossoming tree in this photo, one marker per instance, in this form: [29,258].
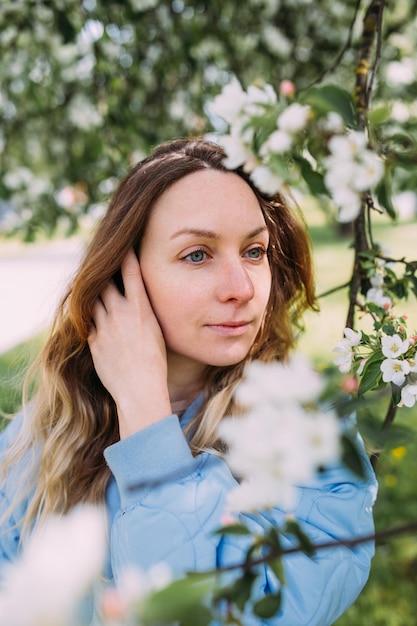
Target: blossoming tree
[350,146]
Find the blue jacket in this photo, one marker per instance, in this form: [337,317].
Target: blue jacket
[163,505]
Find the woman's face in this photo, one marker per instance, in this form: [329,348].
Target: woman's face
[204,264]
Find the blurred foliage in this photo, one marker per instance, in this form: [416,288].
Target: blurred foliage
[88,87]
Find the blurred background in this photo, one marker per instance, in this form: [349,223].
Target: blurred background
[88,88]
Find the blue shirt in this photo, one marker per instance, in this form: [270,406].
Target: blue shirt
[164,504]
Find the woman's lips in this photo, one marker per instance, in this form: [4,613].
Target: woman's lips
[230,329]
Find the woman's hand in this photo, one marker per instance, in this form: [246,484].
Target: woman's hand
[129,352]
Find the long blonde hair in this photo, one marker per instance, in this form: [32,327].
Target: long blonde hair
[72,418]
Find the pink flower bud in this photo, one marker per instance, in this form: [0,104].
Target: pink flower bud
[112,605]
[287,88]
[350,384]
[227,519]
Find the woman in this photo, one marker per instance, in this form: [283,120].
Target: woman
[191,274]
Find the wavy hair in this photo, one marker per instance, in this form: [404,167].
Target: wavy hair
[72,418]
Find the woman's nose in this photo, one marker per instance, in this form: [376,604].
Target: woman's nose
[235,283]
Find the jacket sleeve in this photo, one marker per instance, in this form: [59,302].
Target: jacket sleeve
[171,502]
[9,528]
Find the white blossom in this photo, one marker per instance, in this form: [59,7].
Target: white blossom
[277,445]
[344,350]
[266,181]
[332,123]
[351,169]
[339,174]
[393,346]
[344,357]
[294,118]
[409,395]
[349,204]
[378,297]
[395,371]
[237,152]
[264,96]
[57,566]
[348,146]
[260,384]
[377,280]
[230,102]
[413,363]
[277,143]
[354,337]
[368,171]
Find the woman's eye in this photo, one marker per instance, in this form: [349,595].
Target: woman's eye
[256,253]
[197,256]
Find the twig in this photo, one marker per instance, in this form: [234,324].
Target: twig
[329,292]
[379,536]
[343,51]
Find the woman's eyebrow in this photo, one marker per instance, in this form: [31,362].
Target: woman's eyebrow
[209,234]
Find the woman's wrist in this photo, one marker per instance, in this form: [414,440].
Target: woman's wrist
[136,415]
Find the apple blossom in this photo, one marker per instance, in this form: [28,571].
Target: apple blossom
[266,181]
[352,336]
[260,382]
[345,356]
[412,361]
[59,563]
[395,371]
[348,146]
[278,444]
[256,96]
[368,172]
[332,123]
[277,143]
[409,395]
[378,297]
[294,118]
[393,346]
[377,280]
[230,102]
[237,152]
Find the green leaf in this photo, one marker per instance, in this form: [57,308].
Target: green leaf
[233,529]
[181,601]
[384,194]
[305,544]
[371,374]
[268,606]
[277,568]
[328,98]
[313,179]
[396,394]
[273,538]
[351,457]
[239,591]
[380,114]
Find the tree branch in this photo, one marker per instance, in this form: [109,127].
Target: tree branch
[380,536]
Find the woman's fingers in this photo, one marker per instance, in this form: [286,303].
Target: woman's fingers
[132,277]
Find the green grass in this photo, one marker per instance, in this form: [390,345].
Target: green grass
[389,598]
[13,367]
